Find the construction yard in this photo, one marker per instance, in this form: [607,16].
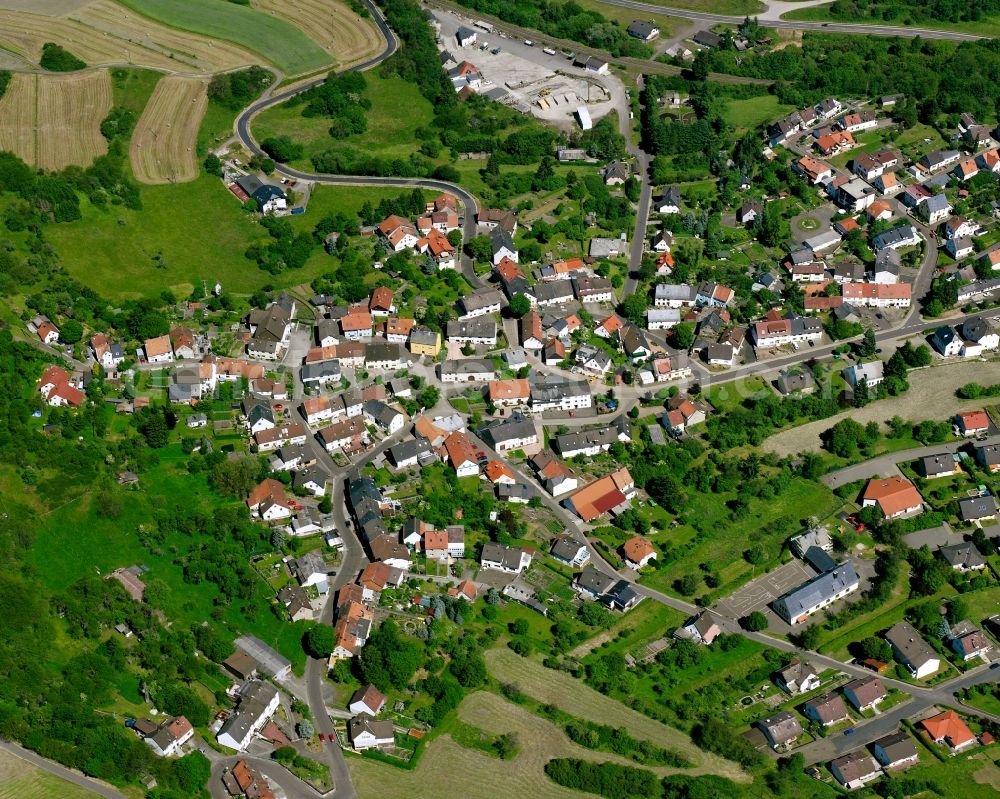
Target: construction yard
[528,79]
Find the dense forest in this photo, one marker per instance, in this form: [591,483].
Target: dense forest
[943,76]
[915,11]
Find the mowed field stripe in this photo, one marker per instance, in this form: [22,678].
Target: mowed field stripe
[332,25]
[70,111]
[163,144]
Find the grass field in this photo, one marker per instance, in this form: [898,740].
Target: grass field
[345,36]
[52,121]
[21,780]
[390,134]
[164,144]
[448,769]
[755,111]
[577,699]
[715,6]
[280,42]
[665,23]
[102,32]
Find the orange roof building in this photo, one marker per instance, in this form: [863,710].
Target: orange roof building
[609,494]
[949,728]
[895,496]
[972,423]
[638,552]
[509,392]
[499,472]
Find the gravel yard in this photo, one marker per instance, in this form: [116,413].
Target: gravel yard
[931,397]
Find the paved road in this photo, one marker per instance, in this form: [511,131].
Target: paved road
[100,788]
[886,464]
[293,787]
[826,27]
[869,730]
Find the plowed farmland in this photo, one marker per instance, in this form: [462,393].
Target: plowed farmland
[163,144]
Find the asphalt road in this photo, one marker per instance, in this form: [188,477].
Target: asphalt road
[826,27]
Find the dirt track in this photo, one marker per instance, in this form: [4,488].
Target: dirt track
[931,396]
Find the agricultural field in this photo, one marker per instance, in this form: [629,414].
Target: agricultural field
[345,36]
[164,144]
[102,32]
[281,43]
[448,769]
[52,121]
[577,699]
[753,112]
[18,778]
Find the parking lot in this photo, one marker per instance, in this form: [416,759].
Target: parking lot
[760,592]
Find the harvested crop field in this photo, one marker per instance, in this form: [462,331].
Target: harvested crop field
[931,397]
[332,25]
[52,121]
[104,32]
[19,779]
[54,8]
[449,769]
[163,144]
[281,43]
[574,697]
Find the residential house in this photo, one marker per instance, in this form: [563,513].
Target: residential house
[977,509]
[812,169]
[615,173]
[502,245]
[170,736]
[670,202]
[714,295]
[749,211]
[366,732]
[424,341]
[593,442]
[964,557]
[467,370]
[703,628]
[780,730]
[669,295]
[503,558]
[509,393]
[638,552]
[912,651]
[798,677]
[895,751]
[273,438]
[593,289]
[461,454]
[481,302]
[935,209]
[553,474]
[556,392]
[988,456]
[311,570]
[477,330]
[878,295]
[896,238]
[948,728]
[641,29]
[158,350]
[941,465]
[972,423]
[828,709]
[871,374]
[367,699]
[570,551]
[855,769]
[894,496]
[513,433]
[257,702]
[610,494]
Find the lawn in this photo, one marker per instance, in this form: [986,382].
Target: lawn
[723,540]
[280,42]
[574,697]
[75,540]
[20,779]
[390,133]
[715,6]
[132,87]
[624,16]
[198,228]
[974,775]
[448,768]
[730,396]
[753,112]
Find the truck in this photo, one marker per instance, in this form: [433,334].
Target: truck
[548,51]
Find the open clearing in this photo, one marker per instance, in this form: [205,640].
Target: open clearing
[931,397]
[281,43]
[54,8]
[104,32]
[165,138]
[52,121]
[332,25]
[20,779]
[574,697]
[449,769]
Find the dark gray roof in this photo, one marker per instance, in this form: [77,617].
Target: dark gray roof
[500,238]
[516,426]
[964,555]
[566,548]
